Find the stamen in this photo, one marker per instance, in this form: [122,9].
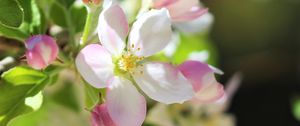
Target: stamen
[129,62]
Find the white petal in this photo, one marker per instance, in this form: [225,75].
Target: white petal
[164,83]
[216,70]
[200,24]
[151,32]
[113,29]
[95,65]
[126,106]
[172,46]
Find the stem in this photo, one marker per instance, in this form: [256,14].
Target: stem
[87,27]
[70,28]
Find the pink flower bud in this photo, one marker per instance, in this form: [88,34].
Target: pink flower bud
[41,50]
[101,117]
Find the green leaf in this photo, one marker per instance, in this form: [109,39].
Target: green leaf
[10,13]
[16,100]
[52,111]
[23,76]
[34,19]
[91,96]
[78,16]
[34,22]
[58,14]
[53,72]
[13,33]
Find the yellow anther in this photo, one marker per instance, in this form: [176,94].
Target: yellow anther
[128,62]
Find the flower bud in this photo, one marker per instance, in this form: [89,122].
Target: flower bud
[100,116]
[41,50]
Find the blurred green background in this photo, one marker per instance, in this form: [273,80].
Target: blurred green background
[261,38]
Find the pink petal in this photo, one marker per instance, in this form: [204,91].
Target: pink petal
[41,51]
[162,3]
[181,7]
[126,106]
[113,29]
[150,33]
[164,83]
[101,117]
[192,14]
[95,65]
[203,81]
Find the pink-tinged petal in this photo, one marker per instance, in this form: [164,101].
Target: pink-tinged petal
[113,29]
[162,3]
[203,81]
[192,14]
[95,65]
[181,7]
[195,71]
[101,117]
[126,106]
[210,93]
[164,83]
[232,85]
[41,51]
[150,33]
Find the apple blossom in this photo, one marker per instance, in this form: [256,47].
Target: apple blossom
[41,50]
[120,66]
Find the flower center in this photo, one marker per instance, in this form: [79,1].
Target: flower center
[128,62]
